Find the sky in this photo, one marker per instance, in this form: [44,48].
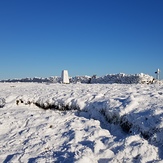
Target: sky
[40,38]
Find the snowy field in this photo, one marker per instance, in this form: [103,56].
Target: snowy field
[94,123]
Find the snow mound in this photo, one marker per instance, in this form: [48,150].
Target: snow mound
[124,79]
[120,78]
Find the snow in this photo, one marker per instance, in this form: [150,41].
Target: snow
[96,123]
[2,102]
[107,79]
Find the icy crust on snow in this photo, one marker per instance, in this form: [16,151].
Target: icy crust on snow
[138,109]
[109,79]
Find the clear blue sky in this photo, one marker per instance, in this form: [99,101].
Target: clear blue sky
[86,37]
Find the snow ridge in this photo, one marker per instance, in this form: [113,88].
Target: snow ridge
[107,79]
[120,111]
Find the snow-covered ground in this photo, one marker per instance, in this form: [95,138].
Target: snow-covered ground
[95,123]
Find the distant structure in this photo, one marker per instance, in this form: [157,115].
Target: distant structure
[65,77]
[157,74]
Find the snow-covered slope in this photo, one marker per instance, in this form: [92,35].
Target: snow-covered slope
[104,122]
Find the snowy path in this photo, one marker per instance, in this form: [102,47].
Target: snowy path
[30,134]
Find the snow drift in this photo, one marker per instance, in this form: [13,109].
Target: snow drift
[78,135]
